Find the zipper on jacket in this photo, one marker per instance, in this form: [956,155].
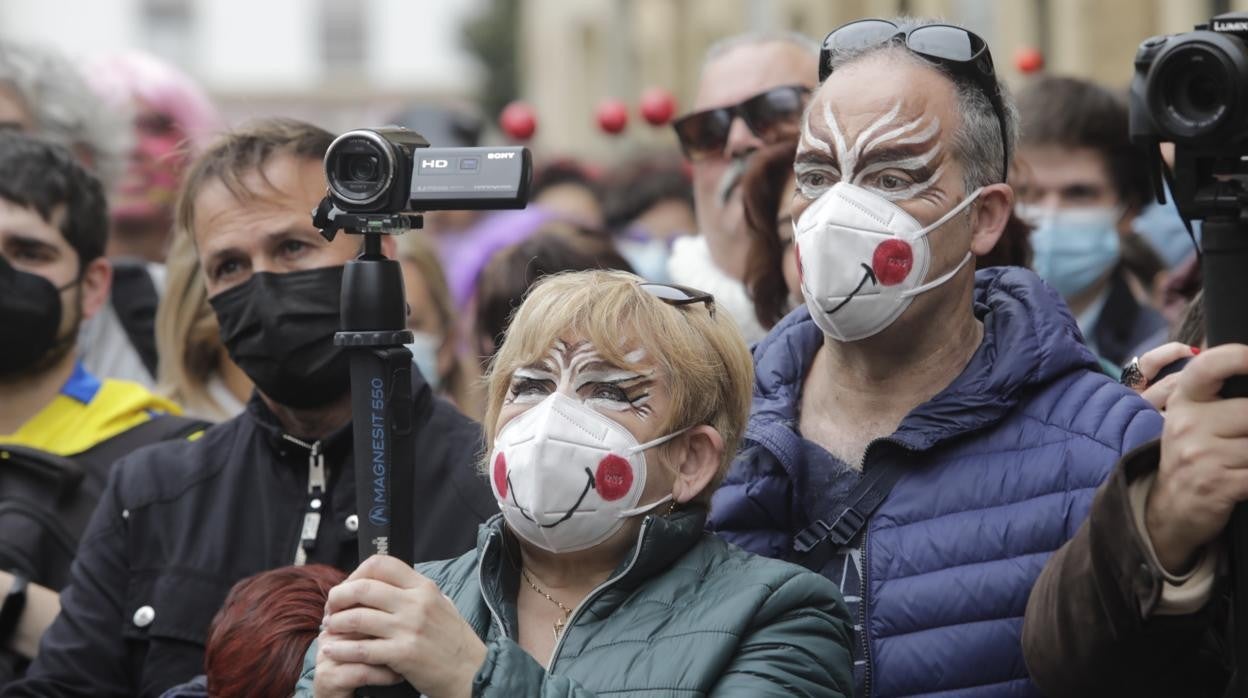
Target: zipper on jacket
[315,500]
[862,616]
[593,595]
[863,583]
[498,619]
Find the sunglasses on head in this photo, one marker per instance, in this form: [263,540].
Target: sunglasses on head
[959,51]
[673,294]
[769,115]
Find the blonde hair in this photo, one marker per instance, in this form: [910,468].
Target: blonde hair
[188,339]
[461,383]
[701,355]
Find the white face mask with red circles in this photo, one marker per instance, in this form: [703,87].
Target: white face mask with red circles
[567,477]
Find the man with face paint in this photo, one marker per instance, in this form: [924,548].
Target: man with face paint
[1082,184]
[965,397]
[750,93]
[61,427]
[179,525]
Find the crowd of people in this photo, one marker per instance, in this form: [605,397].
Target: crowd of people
[894,384]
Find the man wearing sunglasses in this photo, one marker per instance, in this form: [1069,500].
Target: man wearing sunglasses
[751,92]
[922,434]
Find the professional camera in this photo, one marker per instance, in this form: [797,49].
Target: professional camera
[393,170]
[1192,89]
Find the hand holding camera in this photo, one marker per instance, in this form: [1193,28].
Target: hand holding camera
[1204,459]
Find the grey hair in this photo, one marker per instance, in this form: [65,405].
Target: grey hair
[977,142]
[731,43]
[65,110]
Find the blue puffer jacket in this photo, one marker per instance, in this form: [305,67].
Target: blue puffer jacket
[1002,466]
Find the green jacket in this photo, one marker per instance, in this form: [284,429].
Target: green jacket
[686,614]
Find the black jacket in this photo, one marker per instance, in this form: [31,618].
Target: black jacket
[179,523]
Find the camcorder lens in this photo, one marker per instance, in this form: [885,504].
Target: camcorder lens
[1193,88]
[363,168]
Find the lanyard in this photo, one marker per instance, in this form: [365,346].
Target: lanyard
[315,499]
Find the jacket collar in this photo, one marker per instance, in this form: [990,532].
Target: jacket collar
[662,541]
[1030,340]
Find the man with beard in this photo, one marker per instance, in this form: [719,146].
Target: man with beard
[178,525]
[60,426]
[751,93]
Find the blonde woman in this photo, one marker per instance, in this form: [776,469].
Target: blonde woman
[194,371]
[431,318]
[614,408]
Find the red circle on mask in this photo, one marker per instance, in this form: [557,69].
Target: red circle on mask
[892,262]
[500,475]
[614,478]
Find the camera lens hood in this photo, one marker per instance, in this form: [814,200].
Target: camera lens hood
[366,142]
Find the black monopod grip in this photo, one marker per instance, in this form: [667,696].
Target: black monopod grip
[1224,267]
[373,322]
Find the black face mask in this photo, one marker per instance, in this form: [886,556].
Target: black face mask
[279,328]
[30,316]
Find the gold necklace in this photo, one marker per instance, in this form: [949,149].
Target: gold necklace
[567,612]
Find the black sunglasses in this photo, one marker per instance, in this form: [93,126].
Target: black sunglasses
[959,51]
[770,115]
[673,294]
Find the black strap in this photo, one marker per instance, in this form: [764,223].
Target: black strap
[135,299]
[816,543]
[11,609]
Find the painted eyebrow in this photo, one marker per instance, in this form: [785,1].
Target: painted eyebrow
[534,372]
[813,157]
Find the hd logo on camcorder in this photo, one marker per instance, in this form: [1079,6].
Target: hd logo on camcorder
[434,164]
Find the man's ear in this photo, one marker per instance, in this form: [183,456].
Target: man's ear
[989,215]
[97,281]
[697,462]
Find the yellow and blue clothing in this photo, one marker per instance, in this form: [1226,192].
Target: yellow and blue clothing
[87,412]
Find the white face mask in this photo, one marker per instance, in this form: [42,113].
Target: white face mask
[862,260]
[424,348]
[566,477]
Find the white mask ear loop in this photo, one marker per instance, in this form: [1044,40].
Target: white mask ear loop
[938,280]
[950,214]
[645,508]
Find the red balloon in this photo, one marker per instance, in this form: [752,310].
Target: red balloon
[657,106]
[518,121]
[612,116]
[1029,60]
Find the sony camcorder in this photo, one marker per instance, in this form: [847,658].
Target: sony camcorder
[393,170]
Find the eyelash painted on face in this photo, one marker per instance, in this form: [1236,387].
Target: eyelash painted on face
[849,156]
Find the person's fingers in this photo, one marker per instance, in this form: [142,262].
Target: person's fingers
[1159,393]
[1201,380]
[352,623]
[374,652]
[1201,425]
[390,570]
[339,676]
[364,592]
[1164,355]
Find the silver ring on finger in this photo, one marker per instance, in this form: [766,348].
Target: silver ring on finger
[1132,376]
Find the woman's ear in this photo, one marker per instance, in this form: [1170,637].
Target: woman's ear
[697,462]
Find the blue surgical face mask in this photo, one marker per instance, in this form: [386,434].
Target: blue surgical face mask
[647,256]
[1073,247]
[1161,225]
[424,350]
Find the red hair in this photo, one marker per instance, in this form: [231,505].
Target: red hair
[259,637]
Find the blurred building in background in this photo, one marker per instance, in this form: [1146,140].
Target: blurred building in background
[576,53]
[348,63]
[336,63]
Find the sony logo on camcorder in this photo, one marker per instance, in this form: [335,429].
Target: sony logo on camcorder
[500,156]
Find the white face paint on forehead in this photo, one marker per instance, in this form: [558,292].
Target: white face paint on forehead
[581,373]
[891,155]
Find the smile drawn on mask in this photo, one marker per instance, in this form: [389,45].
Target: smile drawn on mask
[870,153]
[571,370]
[589,485]
[868,275]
